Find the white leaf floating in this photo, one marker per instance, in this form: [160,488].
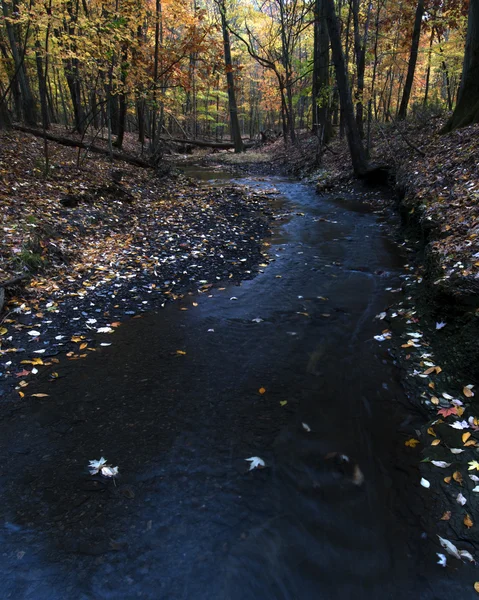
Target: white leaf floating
[440,463]
[476,489]
[474,478]
[466,554]
[449,547]
[440,325]
[460,499]
[382,338]
[442,559]
[34,333]
[425,483]
[256,463]
[102,467]
[456,450]
[460,425]
[306,427]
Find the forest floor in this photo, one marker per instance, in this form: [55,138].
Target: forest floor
[96,251]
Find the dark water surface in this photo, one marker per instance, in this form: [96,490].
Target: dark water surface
[185,519]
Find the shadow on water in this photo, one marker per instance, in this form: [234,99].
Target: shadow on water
[333,516]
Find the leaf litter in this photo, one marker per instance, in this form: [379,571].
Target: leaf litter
[108,259]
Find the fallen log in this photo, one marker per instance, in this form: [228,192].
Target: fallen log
[133,160]
[205,143]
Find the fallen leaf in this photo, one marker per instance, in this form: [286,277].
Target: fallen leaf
[473,464]
[476,586]
[425,483]
[446,516]
[457,476]
[3,330]
[435,442]
[440,325]
[442,559]
[40,395]
[256,463]
[435,400]
[446,412]
[460,499]
[283,402]
[262,390]
[34,333]
[431,431]
[466,436]
[83,346]
[468,521]
[467,391]
[412,443]
[306,427]
[449,547]
[440,463]
[457,450]
[180,352]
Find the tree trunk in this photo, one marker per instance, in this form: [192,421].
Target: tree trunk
[467,108]
[320,100]
[233,109]
[356,149]
[26,97]
[416,35]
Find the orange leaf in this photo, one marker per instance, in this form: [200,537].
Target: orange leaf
[446,516]
[457,476]
[468,521]
[465,437]
[262,390]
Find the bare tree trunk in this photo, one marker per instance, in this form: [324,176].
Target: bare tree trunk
[356,149]
[416,35]
[467,108]
[320,101]
[233,109]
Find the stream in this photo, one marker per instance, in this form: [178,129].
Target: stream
[284,367]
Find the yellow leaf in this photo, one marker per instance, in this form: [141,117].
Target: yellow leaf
[262,390]
[432,385]
[470,443]
[195,303]
[431,431]
[76,338]
[21,394]
[465,437]
[429,371]
[412,443]
[438,370]
[435,400]
[3,330]
[435,442]
[468,521]
[83,346]
[40,395]
[476,586]
[283,402]
[457,476]
[460,410]
[447,479]
[180,352]
[446,516]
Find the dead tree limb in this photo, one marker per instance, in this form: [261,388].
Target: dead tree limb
[64,141]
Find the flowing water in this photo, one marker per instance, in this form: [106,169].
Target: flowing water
[334,515]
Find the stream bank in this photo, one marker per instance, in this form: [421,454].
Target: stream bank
[187,393]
